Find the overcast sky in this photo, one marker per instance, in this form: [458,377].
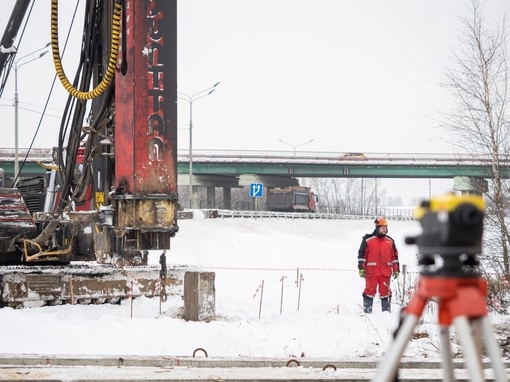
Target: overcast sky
[353,76]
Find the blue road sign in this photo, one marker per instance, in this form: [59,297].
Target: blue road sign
[256,190]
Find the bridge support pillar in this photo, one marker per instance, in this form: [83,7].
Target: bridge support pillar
[227,198]
[195,197]
[468,184]
[211,197]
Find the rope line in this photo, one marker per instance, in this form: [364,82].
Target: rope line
[286,269]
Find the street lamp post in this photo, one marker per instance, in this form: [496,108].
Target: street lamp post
[296,146]
[190,100]
[17,65]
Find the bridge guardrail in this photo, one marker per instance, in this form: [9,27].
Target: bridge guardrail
[243,214]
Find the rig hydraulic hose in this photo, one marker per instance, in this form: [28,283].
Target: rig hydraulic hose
[110,71]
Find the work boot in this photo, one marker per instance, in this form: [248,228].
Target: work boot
[385,304]
[367,303]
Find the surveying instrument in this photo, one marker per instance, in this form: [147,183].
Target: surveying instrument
[448,248]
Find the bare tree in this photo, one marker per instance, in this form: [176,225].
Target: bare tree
[348,196]
[477,79]
[320,185]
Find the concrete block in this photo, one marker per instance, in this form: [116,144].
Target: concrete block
[199,296]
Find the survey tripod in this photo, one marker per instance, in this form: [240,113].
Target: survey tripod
[451,240]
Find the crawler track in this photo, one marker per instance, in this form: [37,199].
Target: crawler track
[24,286]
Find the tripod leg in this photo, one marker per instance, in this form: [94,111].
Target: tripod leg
[470,348]
[444,338]
[389,364]
[494,351]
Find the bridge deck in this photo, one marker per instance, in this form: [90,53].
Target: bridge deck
[235,163]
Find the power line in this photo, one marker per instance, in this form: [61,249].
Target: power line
[41,113]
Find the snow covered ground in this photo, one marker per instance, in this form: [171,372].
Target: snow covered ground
[319,316]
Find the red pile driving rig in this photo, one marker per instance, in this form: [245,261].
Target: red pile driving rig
[84,231]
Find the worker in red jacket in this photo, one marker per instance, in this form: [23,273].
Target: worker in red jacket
[377,261]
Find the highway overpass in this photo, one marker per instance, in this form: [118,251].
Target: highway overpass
[232,163]
[230,168]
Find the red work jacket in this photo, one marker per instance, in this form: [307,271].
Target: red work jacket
[378,256]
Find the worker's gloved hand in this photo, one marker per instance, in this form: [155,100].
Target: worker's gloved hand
[362,273]
[395,274]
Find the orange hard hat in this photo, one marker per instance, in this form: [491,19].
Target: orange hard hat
[381,221]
